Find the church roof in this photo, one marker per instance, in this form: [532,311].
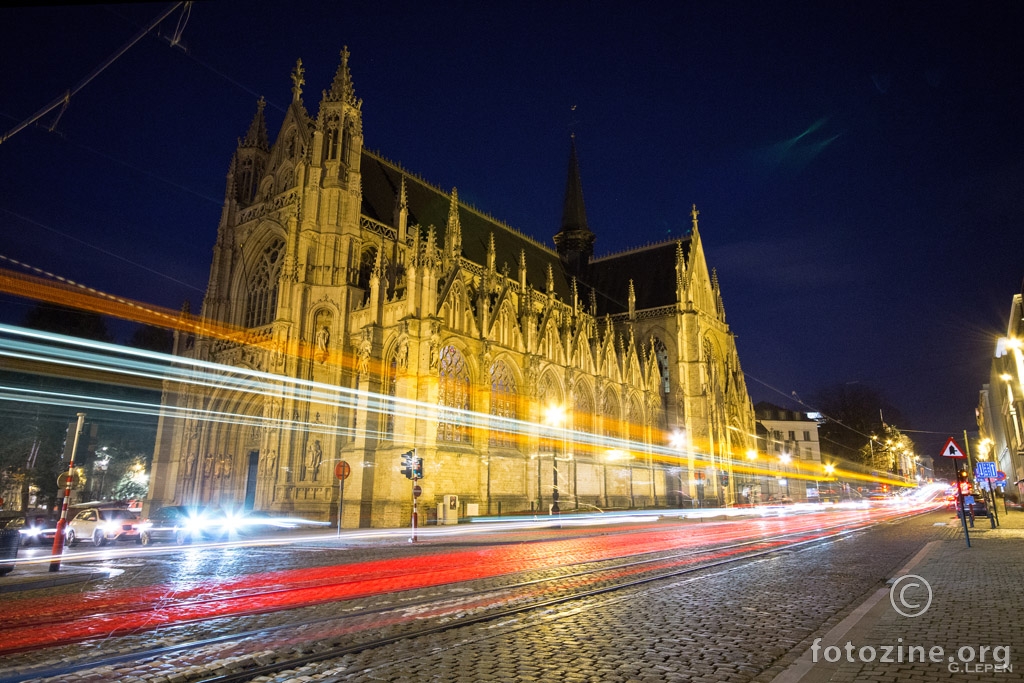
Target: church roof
[428,206]
[652,270]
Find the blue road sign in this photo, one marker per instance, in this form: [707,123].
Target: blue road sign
[985,470]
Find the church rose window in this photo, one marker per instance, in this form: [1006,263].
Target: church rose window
[262,294]
[503,404]
[453,394]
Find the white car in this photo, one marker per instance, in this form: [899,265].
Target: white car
[101,525]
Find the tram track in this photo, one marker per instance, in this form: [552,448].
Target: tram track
[468,608]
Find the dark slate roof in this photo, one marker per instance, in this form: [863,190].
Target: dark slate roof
[429,206]
[652,269]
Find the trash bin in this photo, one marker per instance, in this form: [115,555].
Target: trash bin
[10,539]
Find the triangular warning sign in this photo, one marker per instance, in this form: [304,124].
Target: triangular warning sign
[952,450]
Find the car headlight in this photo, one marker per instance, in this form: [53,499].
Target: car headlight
[110,528]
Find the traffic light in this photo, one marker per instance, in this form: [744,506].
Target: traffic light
[408,463]
[963,483]
[724,478]
[417,467]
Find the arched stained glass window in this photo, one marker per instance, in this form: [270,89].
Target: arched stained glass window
[503,404]
[611,419]
[262,290]
[583,421]
[634,420]
[549,393]
[453,395]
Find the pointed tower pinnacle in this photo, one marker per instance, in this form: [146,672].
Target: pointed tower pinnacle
[342,89]
[574,241]
[491,254]
[453,231]
[298,80]
[693,217]
[680,266]
[632,300]
[256,137]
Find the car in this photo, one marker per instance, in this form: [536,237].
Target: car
[978,509]
[37,528]
[102,525]
[183,524]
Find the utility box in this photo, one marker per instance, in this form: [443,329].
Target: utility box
[472,509]
[448,510]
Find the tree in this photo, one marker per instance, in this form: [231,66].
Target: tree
[152,339]
[68,321]
[133,484]
[853,412]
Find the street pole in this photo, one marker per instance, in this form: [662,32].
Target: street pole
[58,538]
[963,511]
[341,502]
[415,511]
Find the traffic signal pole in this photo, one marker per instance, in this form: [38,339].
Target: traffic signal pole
[415,511]
[58,538]
[963,507]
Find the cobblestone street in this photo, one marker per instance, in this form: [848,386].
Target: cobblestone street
[752,620]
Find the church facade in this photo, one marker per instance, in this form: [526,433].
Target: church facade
[377,313]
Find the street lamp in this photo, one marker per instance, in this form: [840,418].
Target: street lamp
[555,416]
[785,459]
[751,477]
[679,442]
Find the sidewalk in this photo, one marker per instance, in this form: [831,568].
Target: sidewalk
[30,574]
[968,628]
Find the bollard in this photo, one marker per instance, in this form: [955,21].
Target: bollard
[992,519]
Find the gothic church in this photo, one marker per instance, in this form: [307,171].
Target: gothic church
[382,315]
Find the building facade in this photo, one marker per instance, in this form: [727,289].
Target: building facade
[789,442]
[375,313]
[1000,411]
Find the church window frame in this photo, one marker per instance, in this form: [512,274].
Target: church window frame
[262,286]
[504,404]
[453,396]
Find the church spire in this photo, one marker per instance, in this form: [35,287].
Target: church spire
[574,214]
[574,241]
[342,89]
[256,137]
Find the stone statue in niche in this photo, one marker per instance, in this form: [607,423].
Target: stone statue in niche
[322,337]
[314,460]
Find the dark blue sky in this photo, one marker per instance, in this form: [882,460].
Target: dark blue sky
[858,166]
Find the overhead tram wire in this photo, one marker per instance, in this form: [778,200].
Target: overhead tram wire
[62,101]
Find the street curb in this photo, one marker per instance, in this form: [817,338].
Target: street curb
[803,667]
[14,583]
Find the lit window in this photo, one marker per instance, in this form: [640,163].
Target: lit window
[453,396]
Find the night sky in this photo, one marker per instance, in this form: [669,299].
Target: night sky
[858,166]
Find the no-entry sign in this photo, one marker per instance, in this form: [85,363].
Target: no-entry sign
[342,470]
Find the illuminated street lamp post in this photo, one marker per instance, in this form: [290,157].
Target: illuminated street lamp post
[555,416]
[784,459]
[678,442]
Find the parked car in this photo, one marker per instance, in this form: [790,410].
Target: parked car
[979,509]
[102,525]
[183,524]
[37,528]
